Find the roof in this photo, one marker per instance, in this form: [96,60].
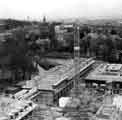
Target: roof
[20,93]
[47,82]
[115,67]
[12,88]
[23,94]
[103,117]
[106,72]
[42,41]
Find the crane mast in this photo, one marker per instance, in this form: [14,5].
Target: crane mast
[76,58]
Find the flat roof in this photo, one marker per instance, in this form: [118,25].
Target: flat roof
[106,72]
[114,67]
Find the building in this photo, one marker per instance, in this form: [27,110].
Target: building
[43,44]
[13,109]
[5,36]
[2,26]
[107,112]
[64,34]
[58,81]
[107,74]
[44,29]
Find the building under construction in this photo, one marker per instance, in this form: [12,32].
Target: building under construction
[109,75]
[15,109]
[58,81]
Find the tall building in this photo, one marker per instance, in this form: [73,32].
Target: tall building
[64,34]
[44,29]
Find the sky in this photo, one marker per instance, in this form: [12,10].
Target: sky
[55,9]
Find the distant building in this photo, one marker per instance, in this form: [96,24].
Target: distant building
[43,44]
[4,36]
[44,19]
[64,34]
[44,29]
[2,26]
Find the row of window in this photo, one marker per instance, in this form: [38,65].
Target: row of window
[64,91]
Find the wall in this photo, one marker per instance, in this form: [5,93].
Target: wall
[44,97]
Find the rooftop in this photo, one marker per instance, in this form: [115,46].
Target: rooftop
[106,72]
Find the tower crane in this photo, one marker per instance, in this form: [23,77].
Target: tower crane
[76,60]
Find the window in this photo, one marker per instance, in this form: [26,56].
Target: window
[21,110]
[30,104]
[11,117]
[117,85]
[25,107]
[36,100]
[16,114]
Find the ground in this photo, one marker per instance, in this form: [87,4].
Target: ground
[91,100]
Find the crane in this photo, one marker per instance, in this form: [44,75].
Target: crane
[76,59]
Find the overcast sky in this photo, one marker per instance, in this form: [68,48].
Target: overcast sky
[53,9]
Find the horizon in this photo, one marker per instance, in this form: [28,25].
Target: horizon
[60,9]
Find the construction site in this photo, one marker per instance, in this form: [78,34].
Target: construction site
[77,89]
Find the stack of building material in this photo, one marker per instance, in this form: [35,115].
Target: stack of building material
[117,101]
[69,102]
[63,101]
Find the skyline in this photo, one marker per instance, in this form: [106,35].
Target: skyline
[60,9]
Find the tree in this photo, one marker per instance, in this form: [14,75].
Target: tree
[52,36]
[17,48]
